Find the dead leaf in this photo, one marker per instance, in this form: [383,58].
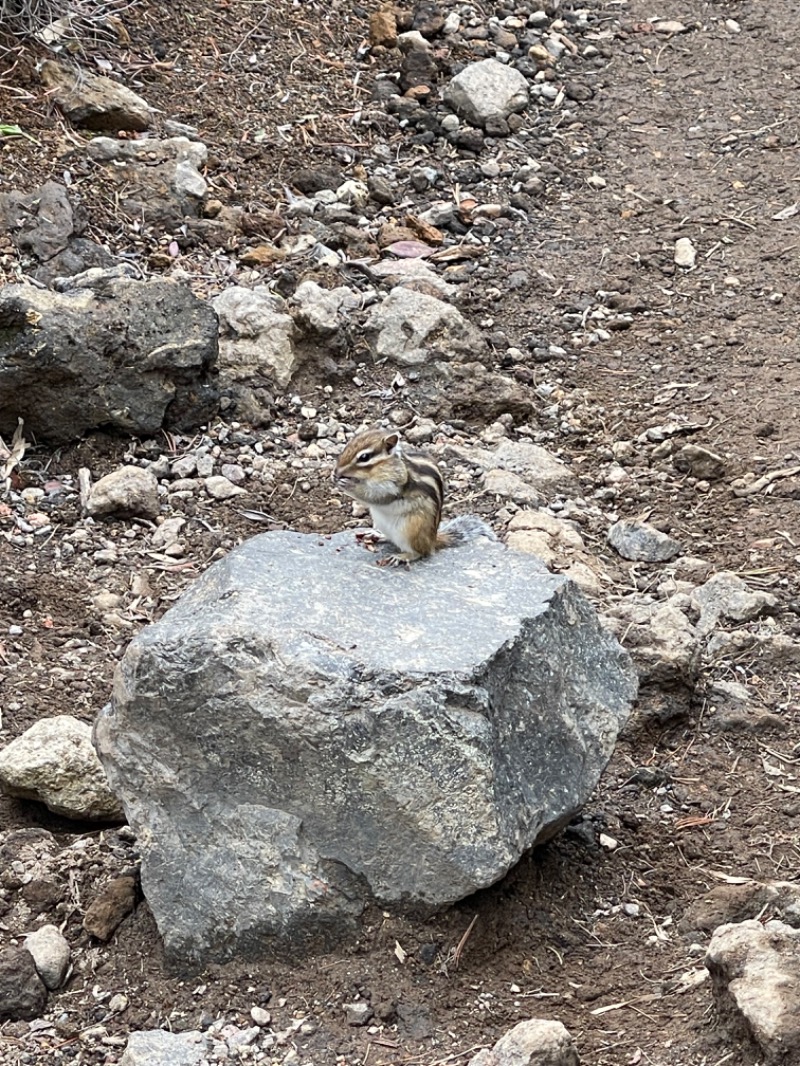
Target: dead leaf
[456,252]
[786,213]
[741,487]
[729,879]
[424,230]
[771,770]
[13,455]
[690,980]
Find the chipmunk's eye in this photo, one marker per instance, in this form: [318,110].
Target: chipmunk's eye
[365,456]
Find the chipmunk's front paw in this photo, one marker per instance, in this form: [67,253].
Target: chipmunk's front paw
[370,539]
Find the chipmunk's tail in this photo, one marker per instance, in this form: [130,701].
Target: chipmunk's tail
[464,528]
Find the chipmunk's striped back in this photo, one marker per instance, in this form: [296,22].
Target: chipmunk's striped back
[425,480]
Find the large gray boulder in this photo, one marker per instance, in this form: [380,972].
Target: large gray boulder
[304,731]
[129,355]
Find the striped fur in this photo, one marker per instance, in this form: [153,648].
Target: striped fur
[403,490]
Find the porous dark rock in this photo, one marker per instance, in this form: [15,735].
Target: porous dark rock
[287,750]
[41,223]
[46,229]
[129,355]
[23,994]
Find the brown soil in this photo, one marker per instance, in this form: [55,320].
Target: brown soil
[694,134]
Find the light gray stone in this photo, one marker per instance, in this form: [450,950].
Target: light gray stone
[755,972]
[256,336]
[51,954]
[666,648]
[357,1013]
[531,1043]
[234,472]
[157,1047]
[507,486]
[185,466]
[727,596]
[321,310]
[542,534]
[131,490]
[187,181]
[544,473]
[54,762]
[641,542]
[412,328]
[315,751]
[220,488]
[487,90]
[168,532]
[158,180]
[136,356]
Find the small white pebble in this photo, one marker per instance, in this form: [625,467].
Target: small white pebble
[260,1016]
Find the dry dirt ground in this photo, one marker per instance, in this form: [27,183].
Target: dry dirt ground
[688,135]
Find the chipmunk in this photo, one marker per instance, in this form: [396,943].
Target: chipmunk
[404,492]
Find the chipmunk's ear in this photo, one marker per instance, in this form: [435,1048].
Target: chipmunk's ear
[392,442]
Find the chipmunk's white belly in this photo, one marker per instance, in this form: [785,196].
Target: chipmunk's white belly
[389,519]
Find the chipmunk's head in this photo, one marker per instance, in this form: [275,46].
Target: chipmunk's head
[371,468]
